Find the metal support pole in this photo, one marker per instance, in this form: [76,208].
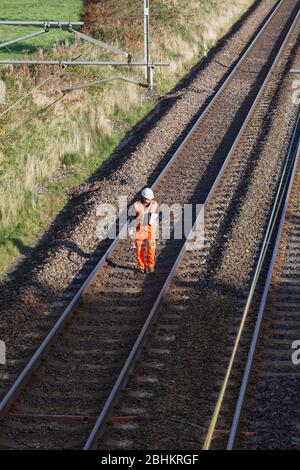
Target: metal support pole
[99,43]
[28,36]
[147,45]
[149,66]
[151,76]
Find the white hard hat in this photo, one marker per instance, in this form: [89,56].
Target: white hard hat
[147,193]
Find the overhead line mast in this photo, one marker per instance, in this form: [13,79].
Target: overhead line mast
[149,66]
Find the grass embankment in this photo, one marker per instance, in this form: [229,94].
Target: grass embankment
[68,142]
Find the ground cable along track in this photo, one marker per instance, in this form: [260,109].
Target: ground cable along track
[59,393]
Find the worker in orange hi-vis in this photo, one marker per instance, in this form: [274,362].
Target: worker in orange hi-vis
[145,213]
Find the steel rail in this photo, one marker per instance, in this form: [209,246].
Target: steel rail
[23,38]
[217,410]
[252,349]
[136,349]
[25,375]
[133,355]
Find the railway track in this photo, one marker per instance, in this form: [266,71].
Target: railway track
[76,370]
[262,354]
[268,401]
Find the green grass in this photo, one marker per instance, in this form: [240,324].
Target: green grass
[52,10]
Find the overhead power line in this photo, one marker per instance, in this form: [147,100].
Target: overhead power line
[80,62]
[40,111]
[41,23]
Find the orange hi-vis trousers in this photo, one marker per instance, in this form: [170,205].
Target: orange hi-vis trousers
[145,240]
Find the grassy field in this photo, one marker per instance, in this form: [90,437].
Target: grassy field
[63,146]
[51,10]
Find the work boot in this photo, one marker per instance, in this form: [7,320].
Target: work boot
[142,271]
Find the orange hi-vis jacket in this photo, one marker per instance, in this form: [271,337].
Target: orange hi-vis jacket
[145,215]
[146,218]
